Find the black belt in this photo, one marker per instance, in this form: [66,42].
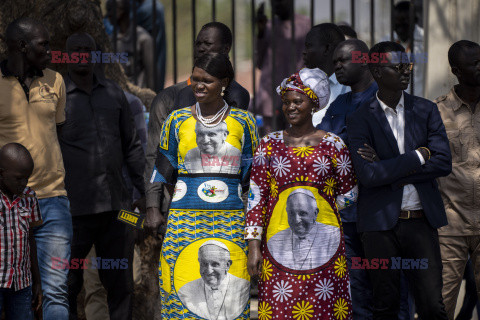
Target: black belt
[411,214]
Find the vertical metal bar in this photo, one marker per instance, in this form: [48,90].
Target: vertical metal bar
[134,40]
[412,43]
[392,5]
[214,9]
[174,20]
[274,63]
[194,25]
[372,22]
[253,23]
[234,55]
[293,62]
[332,11]
[155,52]
[352,14]
[115,26]
[312,12]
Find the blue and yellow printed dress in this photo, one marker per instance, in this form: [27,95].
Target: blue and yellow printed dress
[203,263]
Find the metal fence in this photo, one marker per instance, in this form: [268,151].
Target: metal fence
[253,5]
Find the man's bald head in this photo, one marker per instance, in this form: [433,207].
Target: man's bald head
[15,153]
[21,30]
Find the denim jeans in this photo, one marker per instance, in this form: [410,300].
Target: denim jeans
[53,239]
[17,304]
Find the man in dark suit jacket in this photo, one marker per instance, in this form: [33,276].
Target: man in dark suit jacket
[399,146]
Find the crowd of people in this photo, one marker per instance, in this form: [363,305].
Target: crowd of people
[385,178]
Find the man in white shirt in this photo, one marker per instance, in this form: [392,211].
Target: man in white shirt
[399,147]
[307,244]
[320,43]
[217,295]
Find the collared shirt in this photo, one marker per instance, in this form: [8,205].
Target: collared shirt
[97,139]
[29,116]
[396,119]
[16,217]
[216,299]
[461,189]
[336,89]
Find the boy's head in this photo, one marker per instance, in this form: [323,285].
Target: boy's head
[16,166]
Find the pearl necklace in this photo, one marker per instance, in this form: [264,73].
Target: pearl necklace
[209,122]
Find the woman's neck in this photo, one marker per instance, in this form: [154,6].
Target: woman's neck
[301,130]
[211,108]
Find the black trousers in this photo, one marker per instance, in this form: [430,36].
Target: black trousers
[113,240]
[409,239]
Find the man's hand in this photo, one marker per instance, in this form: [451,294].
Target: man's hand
[37,298]
[368,153]
[261,20]
[141,204]
[153,220]
[425,152]
[254,262]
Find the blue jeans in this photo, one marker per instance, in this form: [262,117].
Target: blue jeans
[18,304]
[53,239]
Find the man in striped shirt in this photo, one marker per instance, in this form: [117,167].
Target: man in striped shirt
[19,211]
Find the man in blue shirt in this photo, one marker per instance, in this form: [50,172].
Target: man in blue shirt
[359,78]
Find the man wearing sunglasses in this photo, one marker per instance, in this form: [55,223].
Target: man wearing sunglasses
[399,147]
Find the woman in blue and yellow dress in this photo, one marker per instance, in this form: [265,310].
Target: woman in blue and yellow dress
[206,151]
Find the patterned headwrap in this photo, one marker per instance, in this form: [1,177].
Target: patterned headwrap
[311,82]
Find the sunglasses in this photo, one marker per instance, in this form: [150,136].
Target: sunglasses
[402,67]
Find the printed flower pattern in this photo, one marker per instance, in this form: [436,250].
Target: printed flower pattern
[344,165]
[303,151]
[281,166]
[264,311]
[321,166]
[266,270]
[340,309]
[303,310]
[282,291]
[324,289]
[340,266]
[329,186]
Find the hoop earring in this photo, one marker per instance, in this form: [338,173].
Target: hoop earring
[223,89]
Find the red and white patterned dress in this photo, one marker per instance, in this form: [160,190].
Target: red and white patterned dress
[293,202]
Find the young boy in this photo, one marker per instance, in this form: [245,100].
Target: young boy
[19,212]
